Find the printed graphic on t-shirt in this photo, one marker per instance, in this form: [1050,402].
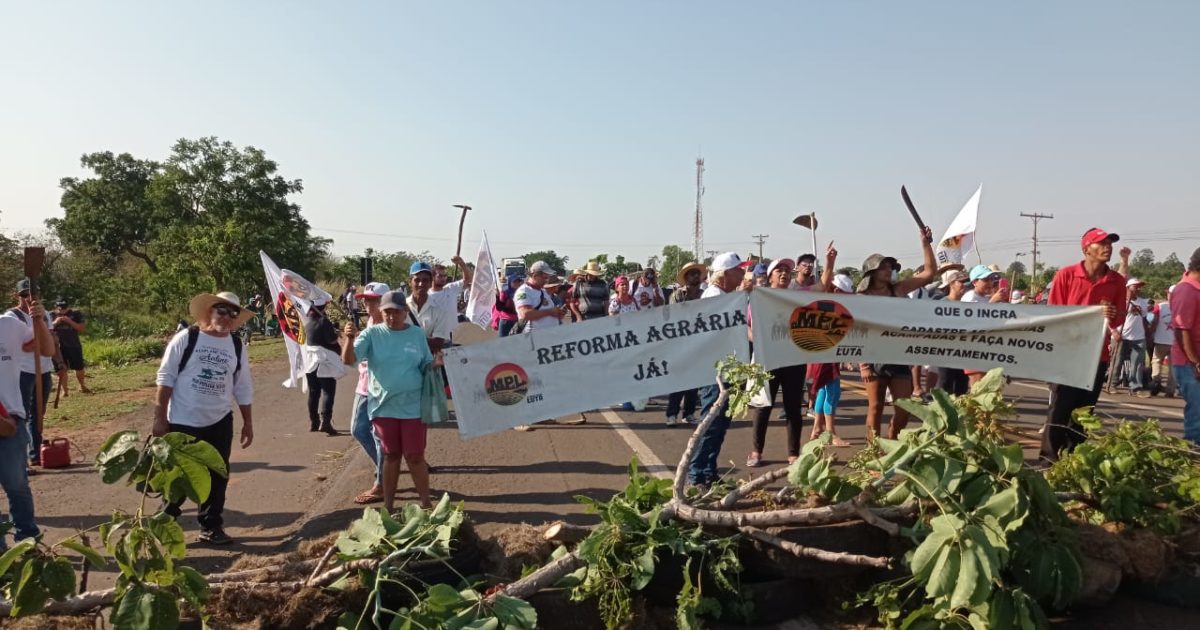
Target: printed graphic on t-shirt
[214,364]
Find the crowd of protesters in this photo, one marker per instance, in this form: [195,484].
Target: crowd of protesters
[395,339]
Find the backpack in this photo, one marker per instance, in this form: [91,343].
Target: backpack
[193,335]
[519,327]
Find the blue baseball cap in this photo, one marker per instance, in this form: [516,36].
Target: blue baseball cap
[980,272]
[418,267]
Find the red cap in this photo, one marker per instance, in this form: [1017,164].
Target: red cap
[1096,235]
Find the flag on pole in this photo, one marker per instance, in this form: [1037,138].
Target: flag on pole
[483,287]
[960,236]
[291,298]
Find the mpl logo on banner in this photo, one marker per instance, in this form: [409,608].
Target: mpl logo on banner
[1057,344]
[547,373]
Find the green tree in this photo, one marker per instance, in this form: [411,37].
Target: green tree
[197,220]
[617,266]
[112,213]
[674,258]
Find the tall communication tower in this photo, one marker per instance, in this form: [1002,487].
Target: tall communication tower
[698,224]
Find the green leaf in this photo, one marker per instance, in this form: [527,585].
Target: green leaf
[31,593]
[972,586]
[93,557]
[365,533]
[192,585]
[644,569]
[443,596]
[515,613]
[1009,458]
[118,456]
[991,383]
[59,577]
[945,572]
[169,534]
[15,552]
[146,609]
[1005,507]
[927,553]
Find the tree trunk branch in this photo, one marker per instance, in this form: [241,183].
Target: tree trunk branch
[761,481]
[836,557]
[544,577]
[567,533]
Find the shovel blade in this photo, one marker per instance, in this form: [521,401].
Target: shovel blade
[806,220]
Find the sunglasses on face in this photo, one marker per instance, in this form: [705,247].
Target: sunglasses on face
[226,310]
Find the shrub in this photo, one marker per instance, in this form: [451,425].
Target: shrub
[122,351]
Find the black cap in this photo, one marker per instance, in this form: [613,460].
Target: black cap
[24,285]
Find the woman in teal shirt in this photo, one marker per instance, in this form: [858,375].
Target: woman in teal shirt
[397,356]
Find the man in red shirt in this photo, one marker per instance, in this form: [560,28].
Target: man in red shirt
[1090,283]
[1185,352]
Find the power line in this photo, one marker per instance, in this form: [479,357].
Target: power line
[1037,217]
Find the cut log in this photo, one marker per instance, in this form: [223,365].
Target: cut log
[566,533]
[545,577]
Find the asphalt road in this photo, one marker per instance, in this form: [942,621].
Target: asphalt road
[292,484]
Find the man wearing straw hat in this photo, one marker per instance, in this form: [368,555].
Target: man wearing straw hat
[590,291]
[689,279]
[203,372]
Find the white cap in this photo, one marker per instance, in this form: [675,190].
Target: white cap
[787,262]
[1133,281]
[1017,296]
[373,290]
[843,283]
[727,261]
[542,266]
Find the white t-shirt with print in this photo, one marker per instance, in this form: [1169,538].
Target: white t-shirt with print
[1134,330]
[1163,332]
[206,390]
[14,333]
[536,299]
[25,360]
[615,307]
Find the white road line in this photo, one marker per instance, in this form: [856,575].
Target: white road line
[1105,398]
[646,457]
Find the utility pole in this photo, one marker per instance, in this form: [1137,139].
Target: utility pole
[1033,277]
[698,221]
[760,239]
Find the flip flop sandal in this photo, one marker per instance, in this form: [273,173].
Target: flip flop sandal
[368,498]
[753,460]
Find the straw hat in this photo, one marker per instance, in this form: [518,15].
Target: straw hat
[679,277]
[592,268]
[202,304]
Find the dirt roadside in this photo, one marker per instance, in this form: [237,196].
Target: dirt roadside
[292,485]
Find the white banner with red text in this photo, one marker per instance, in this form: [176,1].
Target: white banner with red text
[551,372]
[1057,344]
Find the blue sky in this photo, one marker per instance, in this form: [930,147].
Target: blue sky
[574,126]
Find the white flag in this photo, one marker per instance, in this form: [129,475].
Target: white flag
[960,236]
[291,298]
[483,287]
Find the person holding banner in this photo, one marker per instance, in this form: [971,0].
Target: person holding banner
[1090,283]
[689,278]
[397,356]
[727,271]
[322,368]
[881,277]
[790,379]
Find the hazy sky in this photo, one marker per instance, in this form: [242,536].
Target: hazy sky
[575,126]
